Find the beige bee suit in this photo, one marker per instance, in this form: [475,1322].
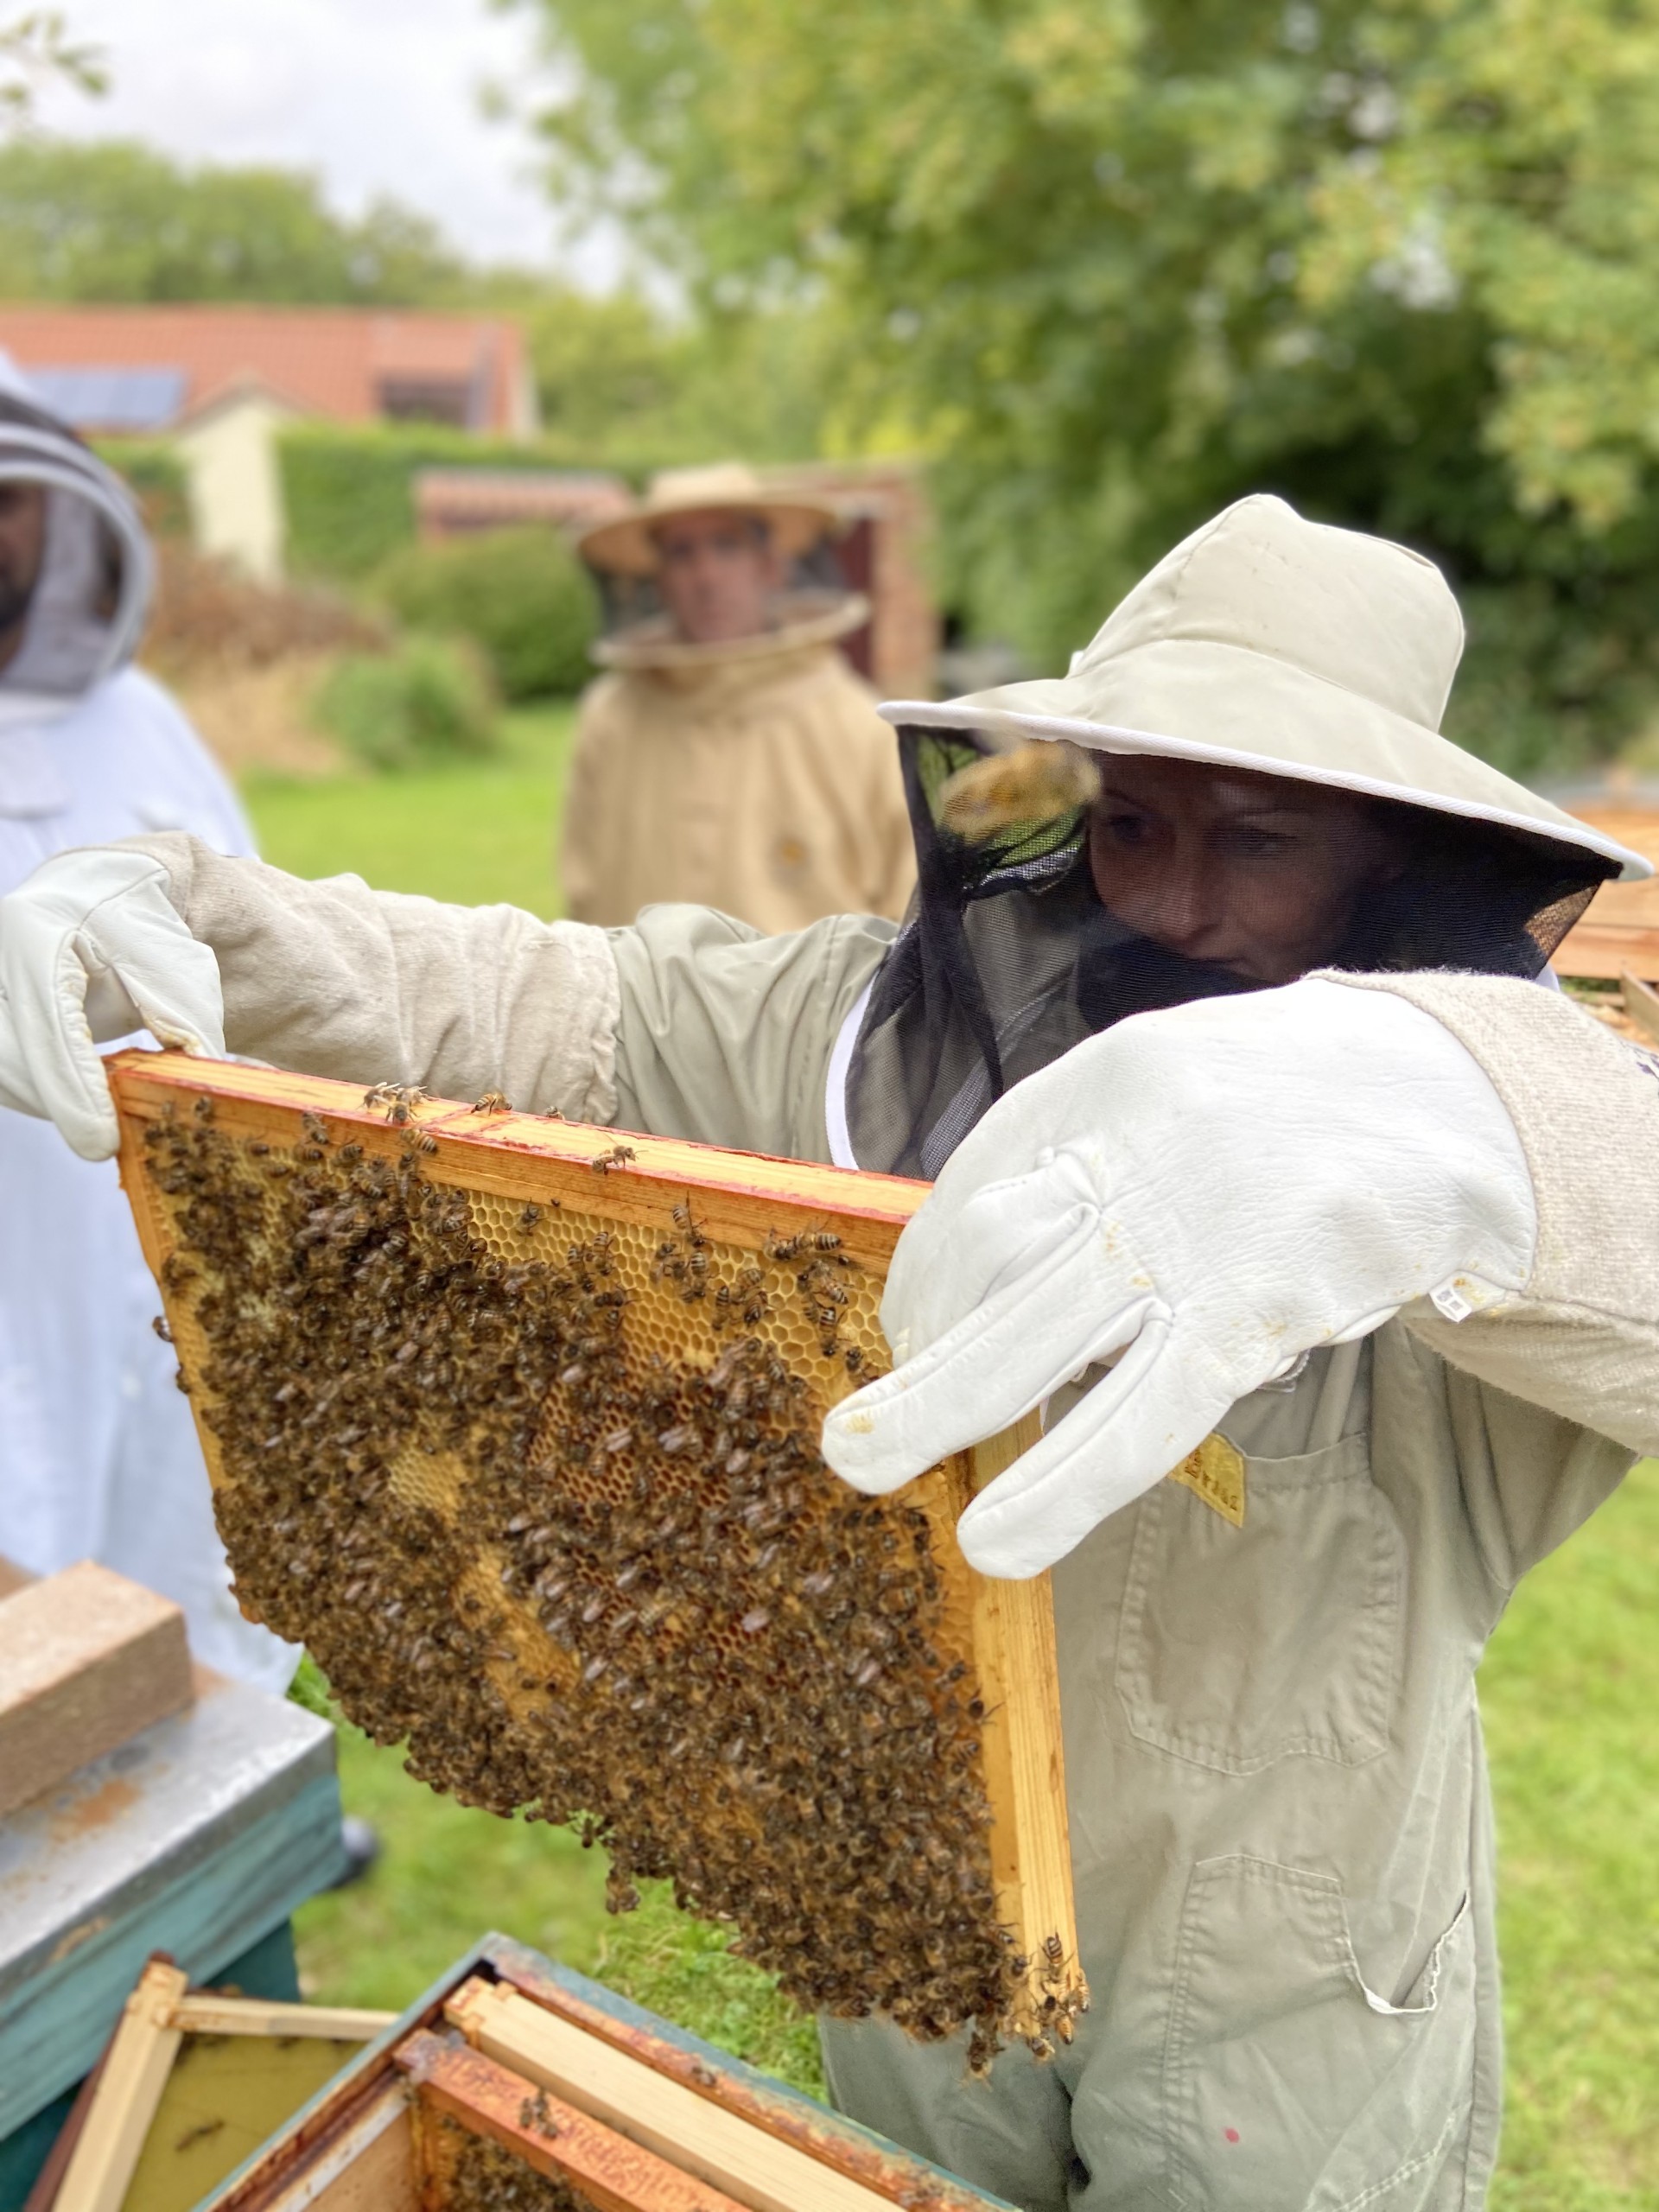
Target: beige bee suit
[1281,1826]
[763,784]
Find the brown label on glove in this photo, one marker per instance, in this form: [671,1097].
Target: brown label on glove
[1214,1472]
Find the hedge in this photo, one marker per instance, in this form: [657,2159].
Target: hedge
[349,494]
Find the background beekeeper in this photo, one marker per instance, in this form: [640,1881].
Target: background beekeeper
[1378,1242]
[730,757]
[98,1456]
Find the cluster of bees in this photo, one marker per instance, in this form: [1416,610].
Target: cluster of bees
[481,2175]
[583,1575]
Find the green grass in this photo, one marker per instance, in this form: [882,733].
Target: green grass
[1569,1690]
[474,833]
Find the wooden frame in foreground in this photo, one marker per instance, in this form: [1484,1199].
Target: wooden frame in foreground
[742,1201]
[510,2053]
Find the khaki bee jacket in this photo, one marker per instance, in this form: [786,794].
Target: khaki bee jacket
[1280,1817]
[765,785]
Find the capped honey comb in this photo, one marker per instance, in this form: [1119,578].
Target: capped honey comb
[514,1424]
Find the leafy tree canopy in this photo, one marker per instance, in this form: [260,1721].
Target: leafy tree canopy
[620,381]
[1116,261]
[116,222]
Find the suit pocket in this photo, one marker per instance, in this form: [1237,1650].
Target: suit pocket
[1239,1647]
[1288,2082]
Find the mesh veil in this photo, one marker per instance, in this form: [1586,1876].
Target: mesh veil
[78,616]
[1009,955]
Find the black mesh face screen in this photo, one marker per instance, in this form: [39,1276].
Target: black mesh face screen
[1179,882]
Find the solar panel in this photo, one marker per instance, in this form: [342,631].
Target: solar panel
[112,399]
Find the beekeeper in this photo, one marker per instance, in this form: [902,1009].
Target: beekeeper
[730,756]
[99,1455]
[1246,1108]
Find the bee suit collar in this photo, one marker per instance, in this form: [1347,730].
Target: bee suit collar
[1266,642]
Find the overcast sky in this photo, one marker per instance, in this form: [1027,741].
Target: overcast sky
[377,96]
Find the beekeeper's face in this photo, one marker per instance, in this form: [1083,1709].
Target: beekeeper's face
[1258,873]
[718,574]
[22,541]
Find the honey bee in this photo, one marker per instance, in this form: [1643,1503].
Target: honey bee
[1034,784]
[492,1101]
[687,1226]
[616,1157]
[399,1100]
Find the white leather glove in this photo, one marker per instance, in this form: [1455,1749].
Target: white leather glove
[91,949]
[1209,1192]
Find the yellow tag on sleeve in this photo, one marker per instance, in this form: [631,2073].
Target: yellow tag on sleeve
[1214,1472]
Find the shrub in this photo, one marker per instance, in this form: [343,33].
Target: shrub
[208,618]
[156,477]
[427,702]
[521,596]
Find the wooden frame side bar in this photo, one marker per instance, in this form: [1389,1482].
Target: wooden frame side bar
[130,2088]
[1017,1667]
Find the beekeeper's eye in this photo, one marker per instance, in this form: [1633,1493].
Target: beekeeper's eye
[1260,841]
[1129,827]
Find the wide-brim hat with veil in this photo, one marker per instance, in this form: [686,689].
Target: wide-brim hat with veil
[1264,644]
[625,544]
[811,606]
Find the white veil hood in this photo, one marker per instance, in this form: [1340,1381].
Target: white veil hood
[88,606]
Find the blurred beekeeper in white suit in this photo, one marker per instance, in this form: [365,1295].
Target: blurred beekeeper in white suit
[99,1455]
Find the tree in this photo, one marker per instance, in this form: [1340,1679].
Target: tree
[113,221]
[1117,262]
[36,49]
[619,378]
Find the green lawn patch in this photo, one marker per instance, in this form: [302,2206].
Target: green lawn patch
[476,832]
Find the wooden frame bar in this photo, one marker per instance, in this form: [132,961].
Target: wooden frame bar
[367,2144]
[130,2088]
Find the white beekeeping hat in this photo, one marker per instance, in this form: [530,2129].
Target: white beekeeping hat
[1266,642]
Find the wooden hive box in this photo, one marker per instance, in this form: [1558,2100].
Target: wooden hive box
[1620,930]
[515,2085]
[190,2085]
[514,1423]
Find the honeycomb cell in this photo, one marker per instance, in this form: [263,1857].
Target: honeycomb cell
[538,1486]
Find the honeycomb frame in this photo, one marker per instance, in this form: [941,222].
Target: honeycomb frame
[808,1244]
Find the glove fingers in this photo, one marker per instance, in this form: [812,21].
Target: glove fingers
[981,1376]
[1137,1423]
[954,1257]
[181,1003]
[53,1064]
[17,1092]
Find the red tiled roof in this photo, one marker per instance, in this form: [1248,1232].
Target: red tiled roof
[330,361]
